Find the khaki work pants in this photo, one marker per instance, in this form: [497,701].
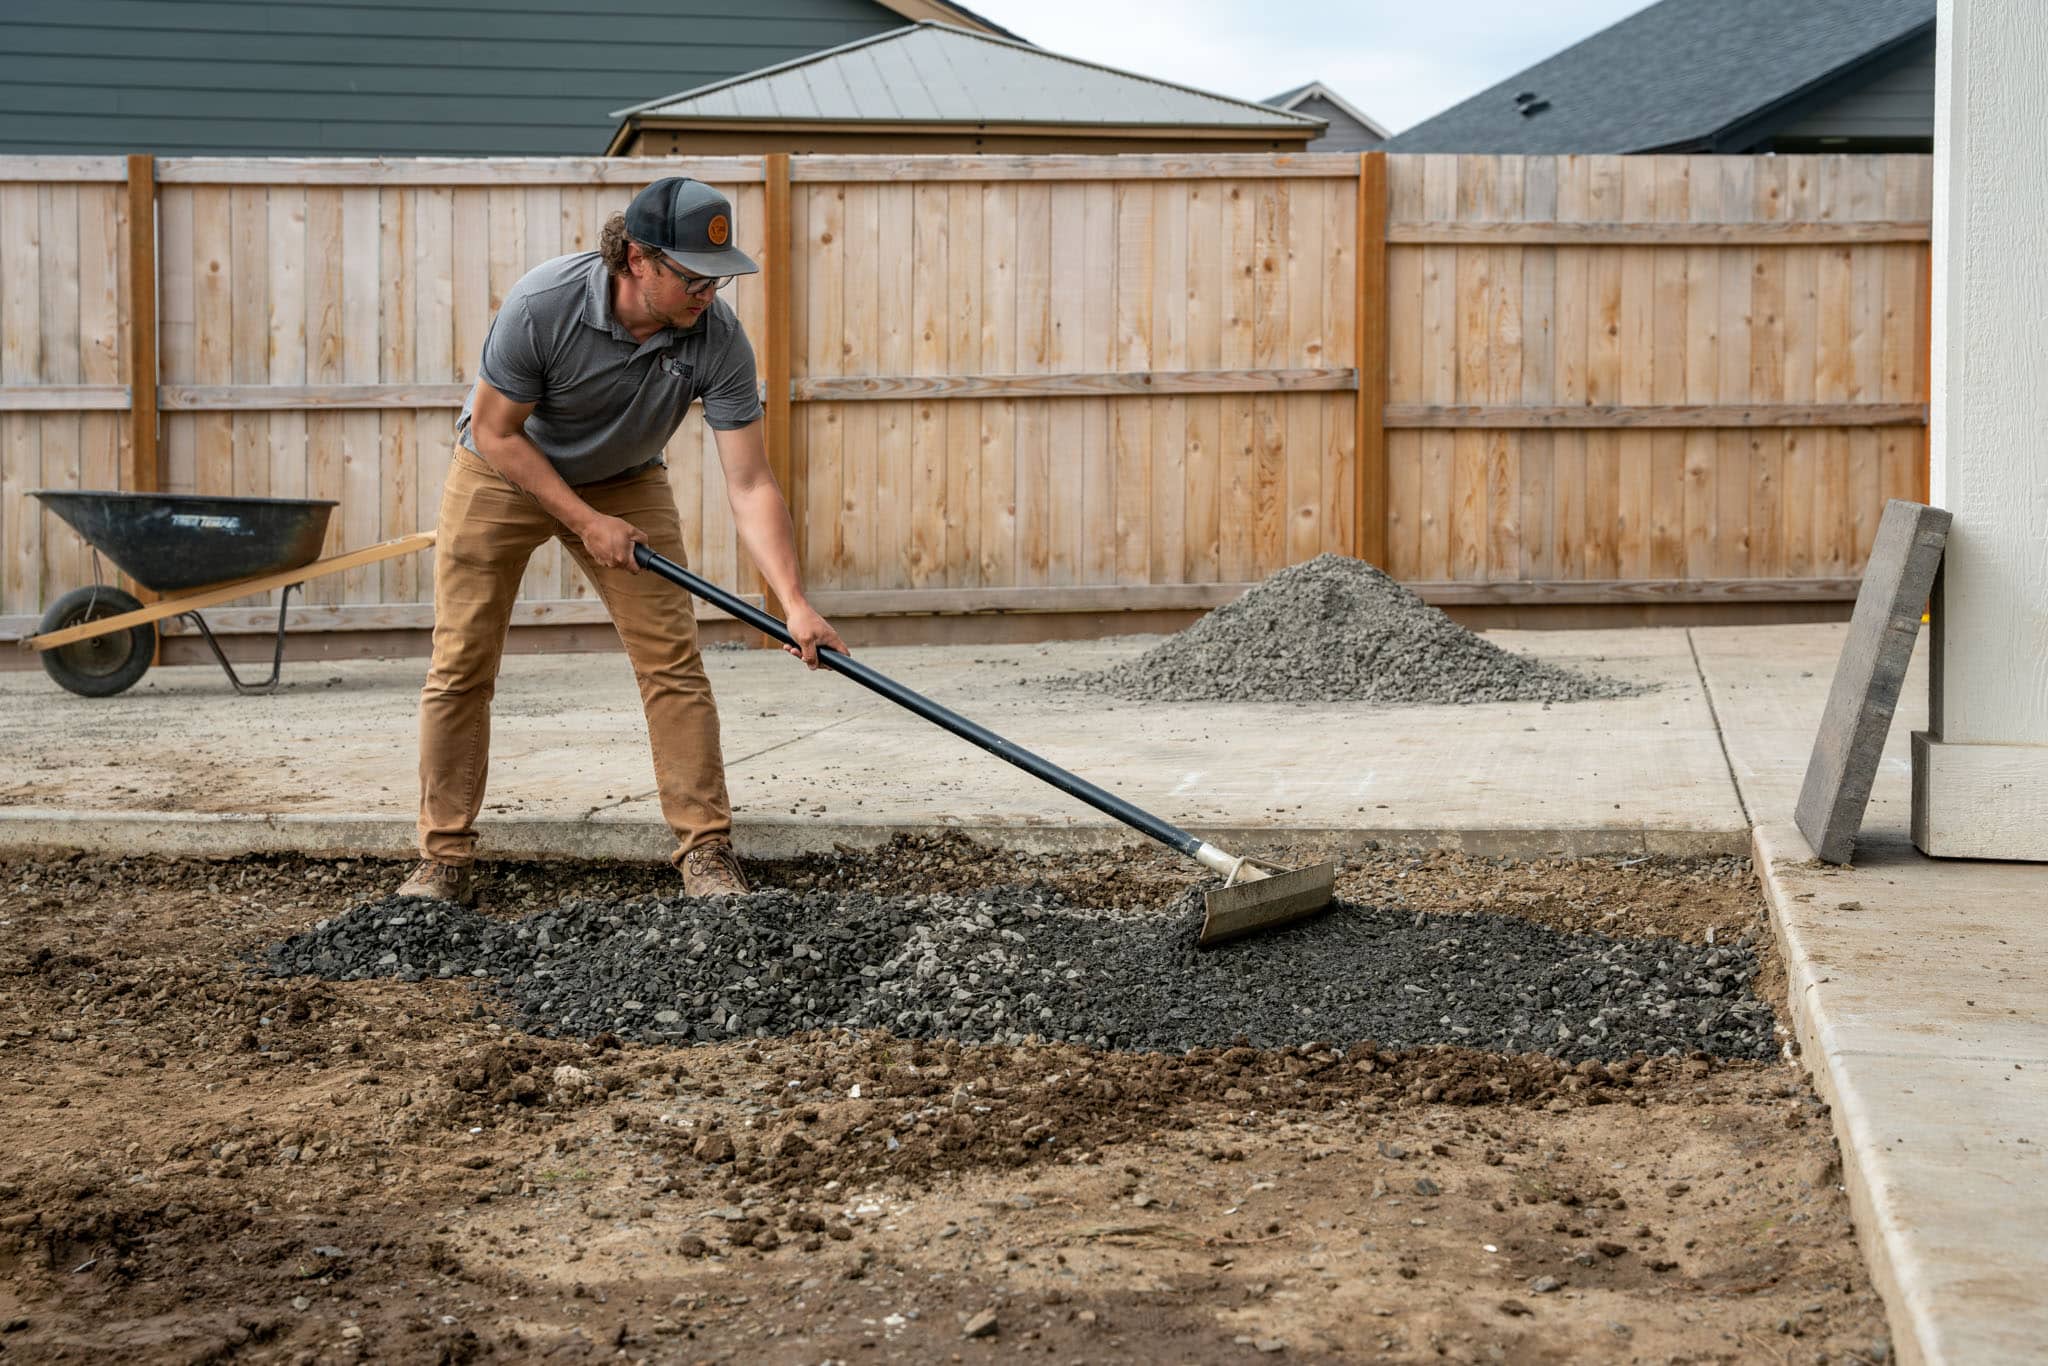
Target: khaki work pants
[489,528]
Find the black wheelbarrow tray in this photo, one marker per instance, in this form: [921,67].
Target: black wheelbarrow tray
[193,551]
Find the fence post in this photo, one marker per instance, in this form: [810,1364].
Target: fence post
[777,247]
[1370,512]
[145,473]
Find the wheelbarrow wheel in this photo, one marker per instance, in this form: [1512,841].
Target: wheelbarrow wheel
[99,666]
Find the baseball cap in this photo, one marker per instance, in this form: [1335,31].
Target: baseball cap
[691,223]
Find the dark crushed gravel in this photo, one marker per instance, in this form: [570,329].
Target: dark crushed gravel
[1335,629]
[1016,962]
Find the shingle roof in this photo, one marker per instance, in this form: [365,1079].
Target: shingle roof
[935,73]
[1673,75]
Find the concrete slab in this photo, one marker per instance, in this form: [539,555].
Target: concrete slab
[1876,651]
[1920,1006]
[812,760]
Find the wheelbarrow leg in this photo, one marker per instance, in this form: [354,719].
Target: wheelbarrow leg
[268,685]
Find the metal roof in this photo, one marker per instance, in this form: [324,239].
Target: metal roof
[936,73]
[1682,74]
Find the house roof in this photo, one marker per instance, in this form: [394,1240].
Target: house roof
[945,11]
[1316,90]
[936,73]
[373,78]
[1681,75]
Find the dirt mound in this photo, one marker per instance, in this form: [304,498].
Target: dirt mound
[1337,630]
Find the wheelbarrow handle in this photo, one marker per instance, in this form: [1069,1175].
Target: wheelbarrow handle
[1043,769]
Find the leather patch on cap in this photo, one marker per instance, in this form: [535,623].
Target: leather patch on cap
[718,229]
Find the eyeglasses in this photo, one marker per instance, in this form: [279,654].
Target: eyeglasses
[698,285]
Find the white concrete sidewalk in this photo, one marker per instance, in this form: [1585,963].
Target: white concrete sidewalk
[1920,998]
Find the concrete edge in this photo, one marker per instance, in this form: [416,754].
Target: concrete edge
[190,834]
[1878,1230]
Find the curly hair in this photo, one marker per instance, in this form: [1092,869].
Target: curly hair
[612,244]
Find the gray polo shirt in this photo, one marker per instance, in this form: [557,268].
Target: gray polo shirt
[603,402]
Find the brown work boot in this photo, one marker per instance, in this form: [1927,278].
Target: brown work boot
[713,870]
[432,881]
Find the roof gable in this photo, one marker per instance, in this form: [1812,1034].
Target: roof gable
[1293,100]
[936,73]
[1673,75]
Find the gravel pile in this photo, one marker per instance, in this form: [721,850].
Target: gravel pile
[1336,629]
[1017,962]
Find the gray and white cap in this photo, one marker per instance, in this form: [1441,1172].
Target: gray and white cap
[691,224]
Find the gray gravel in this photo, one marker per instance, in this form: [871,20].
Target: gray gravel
[1017,962]
[1336,629]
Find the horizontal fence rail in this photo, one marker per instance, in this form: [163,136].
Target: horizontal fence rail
[1031,383]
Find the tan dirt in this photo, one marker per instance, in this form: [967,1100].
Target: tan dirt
[197,1163]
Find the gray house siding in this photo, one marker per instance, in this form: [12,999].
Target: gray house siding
[430,77]
[1898,106]
[1345,134]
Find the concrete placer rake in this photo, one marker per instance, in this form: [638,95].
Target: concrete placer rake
[1256,895]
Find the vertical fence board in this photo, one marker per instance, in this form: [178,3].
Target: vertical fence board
[995,458]
[1166,494]
[962,420]
[1204,290]
[1536,546]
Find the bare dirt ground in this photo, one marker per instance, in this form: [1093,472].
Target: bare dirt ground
[197,1163]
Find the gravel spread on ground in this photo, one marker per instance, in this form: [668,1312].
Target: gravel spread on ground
[1017,963]
[1335,629]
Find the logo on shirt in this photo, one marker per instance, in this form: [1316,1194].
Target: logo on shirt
[718,230]
[672,363]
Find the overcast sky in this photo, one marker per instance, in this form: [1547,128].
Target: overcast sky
[1397,61]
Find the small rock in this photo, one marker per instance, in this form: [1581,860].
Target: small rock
[1515,1309]
[691,1246]
[301,1303]
[1607,1249]
[17,1324]
[1425,1186]
[1269,1345]
[982,1325]
[351,1332]
[1544,1285]
[713,1148]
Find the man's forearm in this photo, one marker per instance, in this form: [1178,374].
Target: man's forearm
[761,517]
[520,461]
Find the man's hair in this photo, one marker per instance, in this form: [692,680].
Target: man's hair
[612,244]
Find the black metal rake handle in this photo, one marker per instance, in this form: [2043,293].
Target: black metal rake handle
[1043,769]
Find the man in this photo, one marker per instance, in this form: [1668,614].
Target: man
[587,372]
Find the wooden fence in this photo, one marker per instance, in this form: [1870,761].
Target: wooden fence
[1035,383]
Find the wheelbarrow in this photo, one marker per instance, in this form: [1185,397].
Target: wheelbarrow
[193,551]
